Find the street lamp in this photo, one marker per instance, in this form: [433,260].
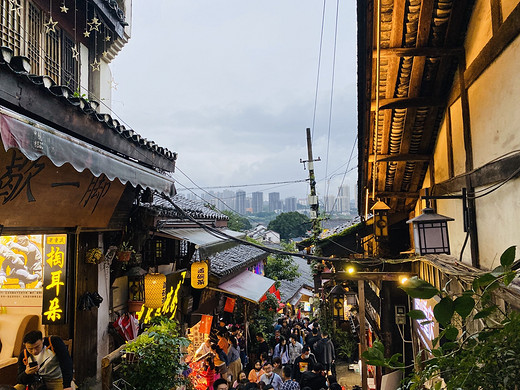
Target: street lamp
[430,231]
[338,299]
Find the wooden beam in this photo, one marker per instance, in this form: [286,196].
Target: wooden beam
[400,157]
[369,276]
[398,195]
[496,15]
[421,52]
[393,103]
[491,173]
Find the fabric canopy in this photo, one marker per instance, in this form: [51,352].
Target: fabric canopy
[35,140]
[248,285]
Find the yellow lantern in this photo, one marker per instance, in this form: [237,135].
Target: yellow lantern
[154,290]
[199,274]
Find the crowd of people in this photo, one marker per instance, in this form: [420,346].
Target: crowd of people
[298,356]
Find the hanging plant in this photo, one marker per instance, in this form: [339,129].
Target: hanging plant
[94,256]
[125,251]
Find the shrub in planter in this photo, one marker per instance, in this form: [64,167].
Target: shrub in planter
[158,361]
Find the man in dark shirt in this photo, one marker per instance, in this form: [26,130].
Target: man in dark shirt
[314,379]
[311,340]
[262,344]
[304,362]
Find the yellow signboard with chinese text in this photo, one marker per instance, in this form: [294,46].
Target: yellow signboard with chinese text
[199,274]
[54,280]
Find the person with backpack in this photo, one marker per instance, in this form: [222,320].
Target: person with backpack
[45,360]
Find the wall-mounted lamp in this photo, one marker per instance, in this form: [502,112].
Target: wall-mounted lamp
[430,230]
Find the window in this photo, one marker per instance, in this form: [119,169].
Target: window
[50,53]
[10,25]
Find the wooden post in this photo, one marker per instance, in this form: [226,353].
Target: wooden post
[362,334]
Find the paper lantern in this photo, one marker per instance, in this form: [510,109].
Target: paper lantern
[154,290]
[199,274]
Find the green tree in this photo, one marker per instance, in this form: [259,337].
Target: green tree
[462,358]
[289,225]
[282,267]
[237,222]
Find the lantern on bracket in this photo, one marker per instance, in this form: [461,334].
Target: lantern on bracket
[338,302]
[430,232]
[380,211]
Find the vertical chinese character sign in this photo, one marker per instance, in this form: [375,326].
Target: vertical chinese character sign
[54,279]
[199,274]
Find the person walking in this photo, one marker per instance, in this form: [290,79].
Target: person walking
[295,349]
[234,362]
[288,383]
[44,359]
[256,372]
[325,353]
[304,362]
[281,350]
[314,379]
[271,378]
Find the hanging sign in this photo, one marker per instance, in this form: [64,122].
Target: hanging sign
[230,305]
[54,279]
[199,274]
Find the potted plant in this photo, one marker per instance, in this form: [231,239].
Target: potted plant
[154,360]
[124,252]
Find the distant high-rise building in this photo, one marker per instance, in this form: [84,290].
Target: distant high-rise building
[227,200]
[257,202]
[240,202]
[343,199]
[274,202]
[330,204]
[290,204]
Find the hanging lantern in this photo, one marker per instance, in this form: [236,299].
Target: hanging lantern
[199,274]
[380,210]
[154,290]
[338,298]
[430,232]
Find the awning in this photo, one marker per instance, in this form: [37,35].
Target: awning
[248,285]
[200,236]
[35,140]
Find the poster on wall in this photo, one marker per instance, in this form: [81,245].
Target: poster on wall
[21,262]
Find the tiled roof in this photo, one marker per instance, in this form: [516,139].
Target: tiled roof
[21,66]
[289,288]
[195,209]
[234,259]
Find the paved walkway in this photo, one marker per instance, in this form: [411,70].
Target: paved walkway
[347,378]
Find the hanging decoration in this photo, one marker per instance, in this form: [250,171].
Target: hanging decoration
[16,7]
[75,53]
[86,33]
[154,290]
[108,38]
[51,24]
[94,24]
[95,65]
[199,274]
[63,7]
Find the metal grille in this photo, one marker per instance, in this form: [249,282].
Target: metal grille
[69,70]
[53,55]
[34,33]
[10,26]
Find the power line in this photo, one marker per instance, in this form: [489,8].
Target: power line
[243,185]
[319,67]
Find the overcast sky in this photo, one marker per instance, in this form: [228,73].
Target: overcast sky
[230,86]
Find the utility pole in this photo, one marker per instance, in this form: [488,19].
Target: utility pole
[313,198]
